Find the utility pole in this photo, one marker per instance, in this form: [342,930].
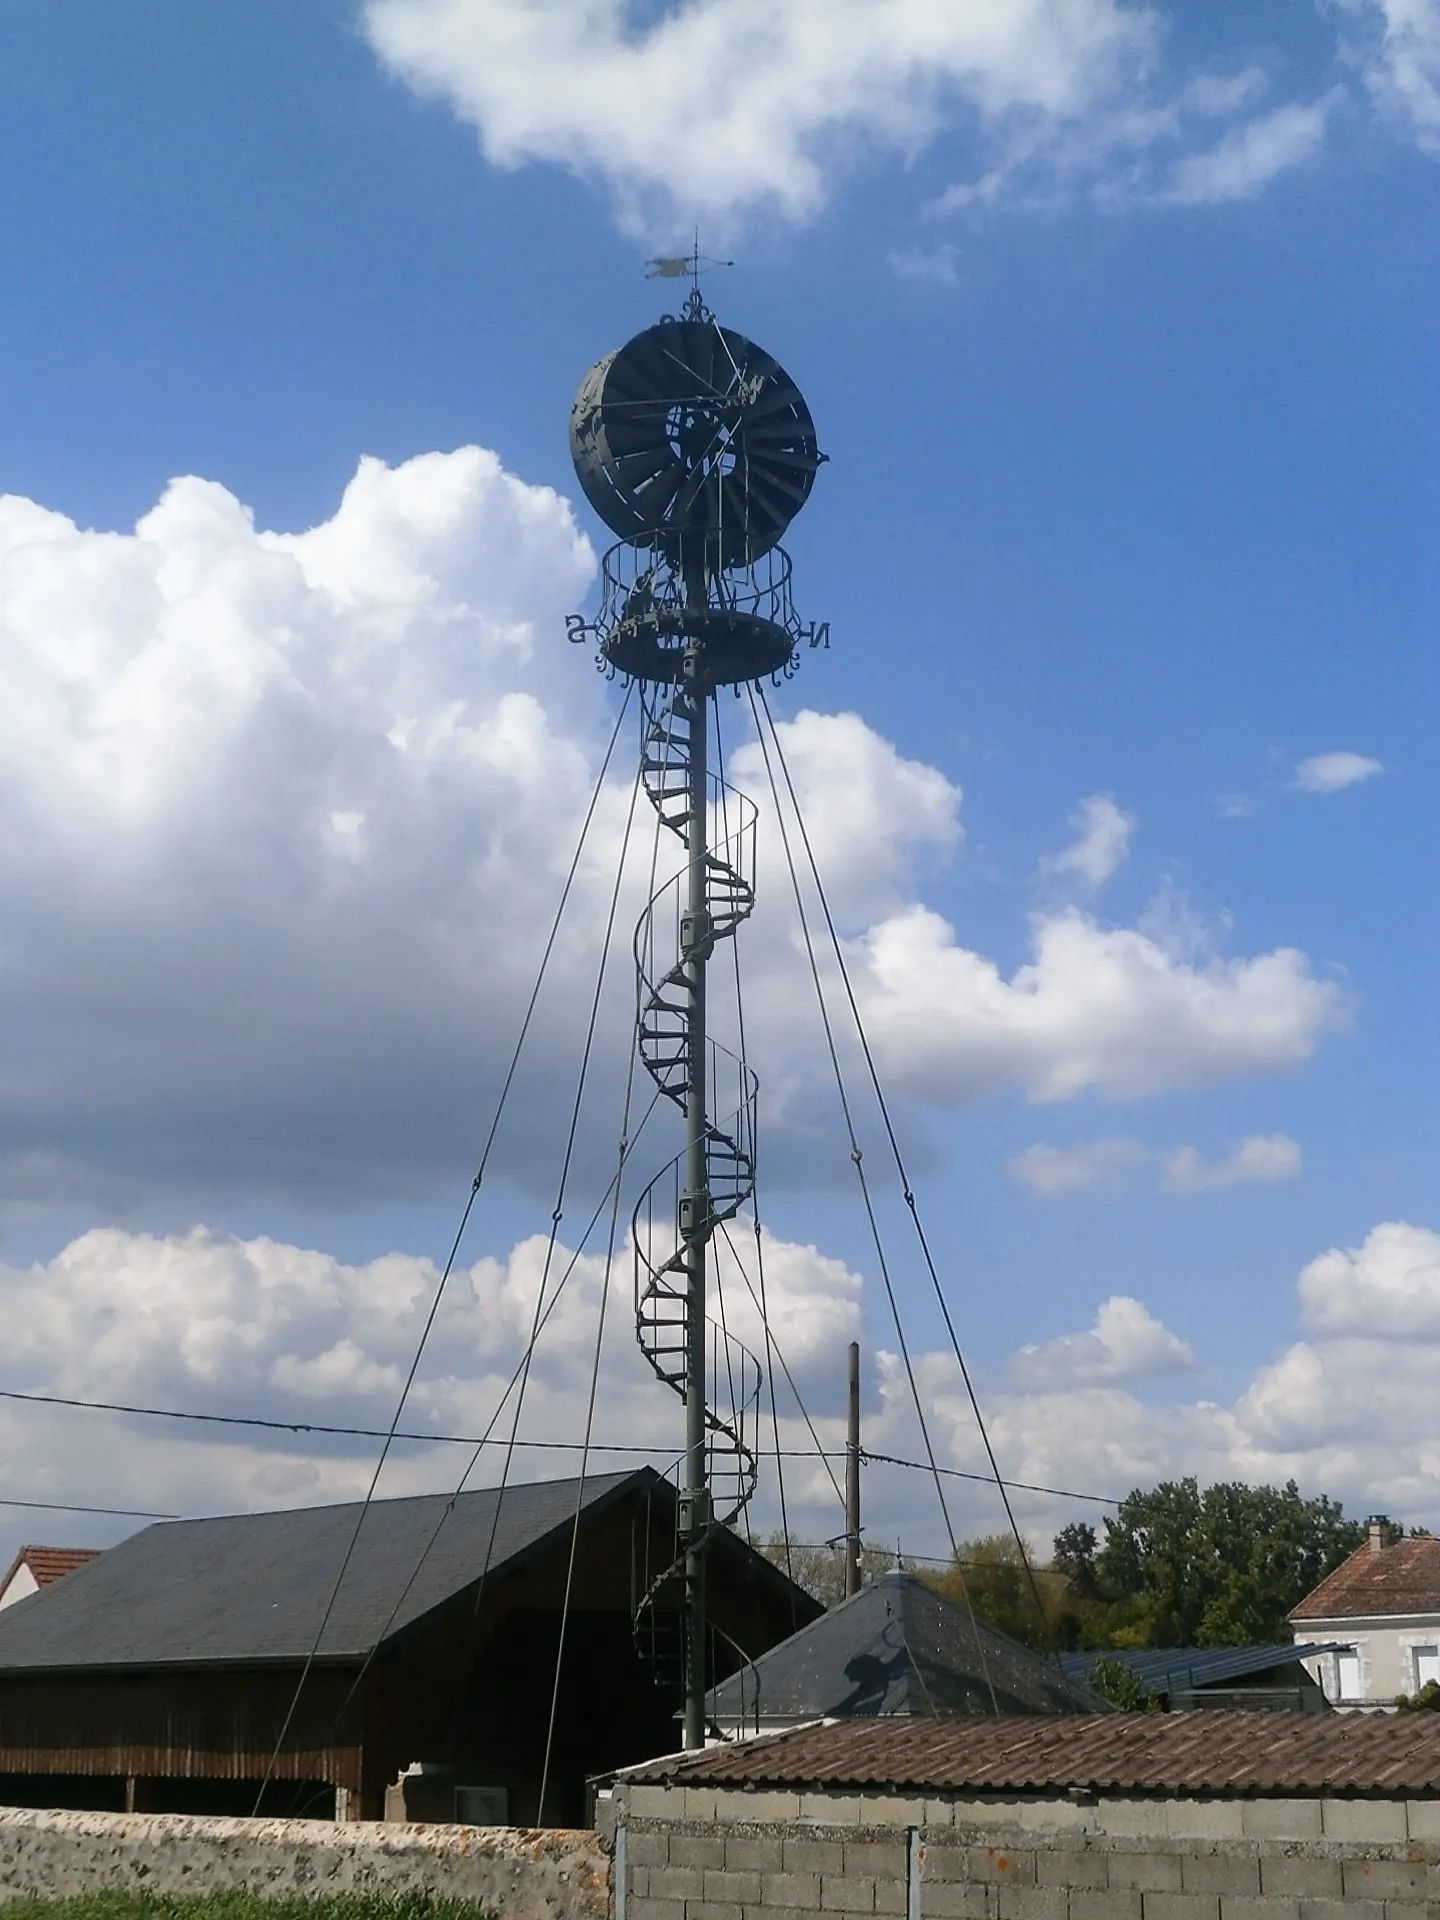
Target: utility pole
[852,1476]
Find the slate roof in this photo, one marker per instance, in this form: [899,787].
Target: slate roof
[254,1586]
[1401,1578]
[1211,1750]
[896,1647]
[1166,1670]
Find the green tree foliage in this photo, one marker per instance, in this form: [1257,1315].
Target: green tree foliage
[1427,1700]
[1074,1560]
[1222,1567]
[1118,1684]
[989,1575]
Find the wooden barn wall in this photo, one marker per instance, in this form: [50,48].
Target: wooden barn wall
[200,1724]
[469,1686]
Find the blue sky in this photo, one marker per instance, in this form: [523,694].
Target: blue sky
[1117,325]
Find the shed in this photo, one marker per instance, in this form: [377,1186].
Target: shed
[165,1674]
[1268,1676]
[1211,1813]
[895,1648]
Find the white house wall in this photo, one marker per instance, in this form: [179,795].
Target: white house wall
[1386,1648]
[21,1585]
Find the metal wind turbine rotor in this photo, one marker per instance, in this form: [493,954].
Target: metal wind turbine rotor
[697,449]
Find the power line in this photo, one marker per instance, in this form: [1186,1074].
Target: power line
[868,1454]
[987,1479]
[114,1513]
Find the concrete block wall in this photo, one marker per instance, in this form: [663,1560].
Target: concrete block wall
[524,1874]
[1041,1859]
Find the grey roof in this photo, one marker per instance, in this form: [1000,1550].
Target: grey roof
[254,1586]
[1179,1669]
[896,1647]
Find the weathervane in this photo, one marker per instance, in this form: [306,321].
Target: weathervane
[679,266]
[697,449]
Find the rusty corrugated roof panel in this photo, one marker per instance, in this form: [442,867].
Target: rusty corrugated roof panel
[1401,1578]
[1209,1751]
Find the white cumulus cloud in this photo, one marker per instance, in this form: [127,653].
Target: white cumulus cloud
[1101,845]
[205,1320]
[1399,51]
[1102,1009]
[1057,1171]
[1054,1171]
[1250,156]
[1332,772]
[1263,1157]
[1126,1343]
[283,822]
[1349,1409]
[712,111]
[1389,1287]
[715,108]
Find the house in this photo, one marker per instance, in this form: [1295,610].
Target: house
[36,1567]
[166,1674]
[895,1648]
[1182,1677]
[1211,1813]
[1383,1604]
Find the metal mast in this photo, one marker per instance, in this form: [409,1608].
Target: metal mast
[697,449]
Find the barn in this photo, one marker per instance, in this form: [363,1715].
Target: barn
[166,1675]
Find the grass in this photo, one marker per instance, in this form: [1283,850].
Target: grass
[241,1905]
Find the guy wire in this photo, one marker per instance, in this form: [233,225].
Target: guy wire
[762,1304]
[557,1214]
[857,1158]
[908,1191]
[624,1148]
[819,1451]
[485,1439]
[453,1255]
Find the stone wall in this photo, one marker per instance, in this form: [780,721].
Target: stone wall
[524,1874]
[702,1855]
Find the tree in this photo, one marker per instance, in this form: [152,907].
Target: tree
[1218,1568]
[1119,1684]
[990,1576]
[820,1570]
[1073,1558]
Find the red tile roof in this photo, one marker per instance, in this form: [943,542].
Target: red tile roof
[48,1564]
[1210,1751]
[1401,1578]
[53,1563]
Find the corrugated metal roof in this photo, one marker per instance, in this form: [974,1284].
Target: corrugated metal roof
[255,1586]
[1171,1669]
[1401,1578]
[1210,1751]
[897,1646]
